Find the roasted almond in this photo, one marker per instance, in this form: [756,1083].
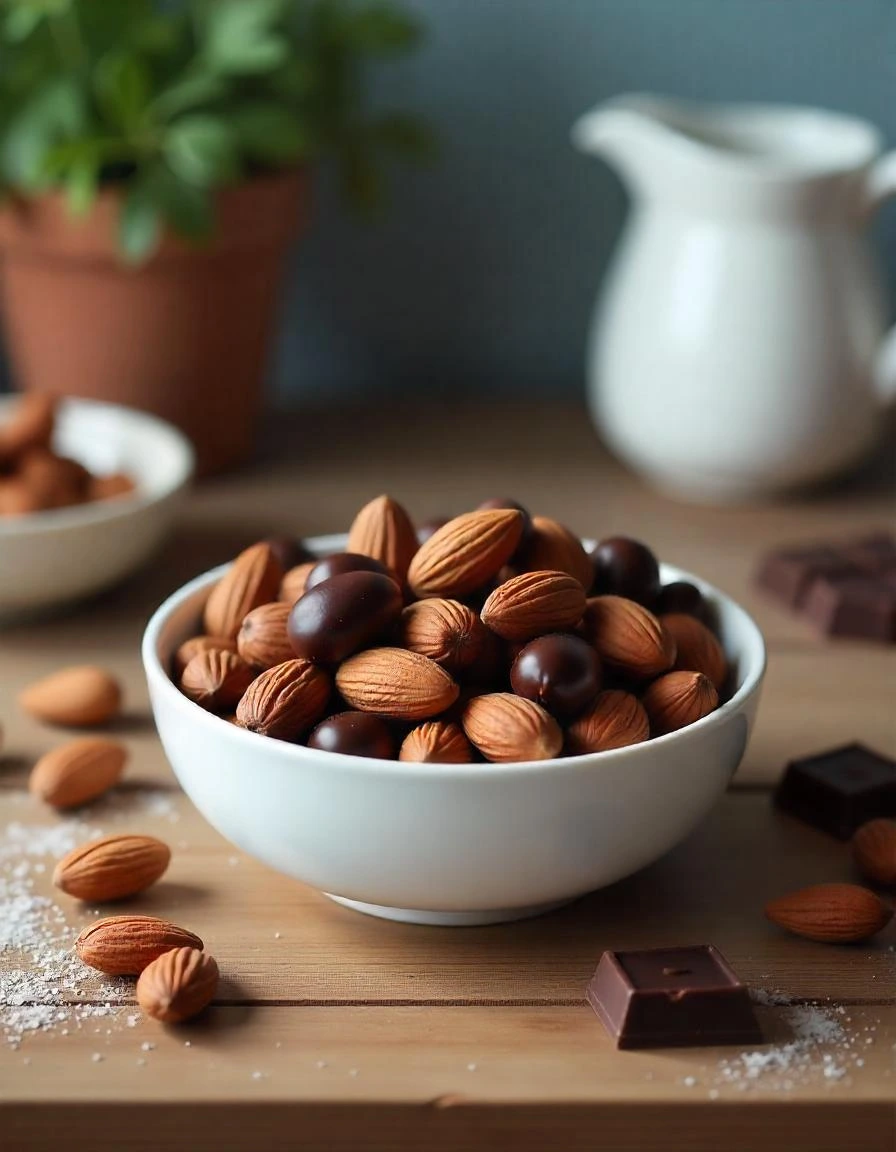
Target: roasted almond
[534,603]
[82,696]
[29,426]
[615,720]
[508,728]
[446,631]
[292,586]
[196,644]
[395,683]
[56,481]
[78,771]
[285,701]
[678,699]
[253,579]
[124,945]
[831,913]
[262,640]
[552,547]
[177,985]
[436,742]
[628,636]
[874,851]
[216,680]
[110,487]
[697,649]
[465,553]
[112,868]
[383,530]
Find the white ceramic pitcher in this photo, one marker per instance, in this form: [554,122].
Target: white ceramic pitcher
[737,348]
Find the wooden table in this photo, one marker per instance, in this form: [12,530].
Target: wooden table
[336,1031]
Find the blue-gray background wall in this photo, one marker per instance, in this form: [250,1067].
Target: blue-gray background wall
[481,275]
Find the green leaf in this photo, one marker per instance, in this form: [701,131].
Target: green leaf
[54,113]
[382,29]
[268,133]
[187,209]
[202,150]
[20,22]
[81,183]
[188,93]
[240,36]
[122,83]
[139,224]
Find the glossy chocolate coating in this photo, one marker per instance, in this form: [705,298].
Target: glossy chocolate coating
[343,615]
[624,567]
[354,734]
[340,563]
[288,550]
[839,790]
[681,597]
[559,672]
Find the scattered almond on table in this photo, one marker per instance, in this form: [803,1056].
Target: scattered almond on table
[831,913]
[78,771]
[112,868]
[874,851]
[82,696]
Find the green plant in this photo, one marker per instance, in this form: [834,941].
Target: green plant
[174,100]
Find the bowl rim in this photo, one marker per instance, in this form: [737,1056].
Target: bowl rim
[53,520]
[158,679]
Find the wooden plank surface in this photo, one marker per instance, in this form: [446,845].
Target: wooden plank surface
[367,1034]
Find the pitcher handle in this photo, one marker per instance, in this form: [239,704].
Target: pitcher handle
[880,185]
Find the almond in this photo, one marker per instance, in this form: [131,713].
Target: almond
[615,720]
[82,696]
[508,728]
[56,481]
[874,851]
[446,631]
[628,637]
[395,683]
[552,547]
[124,945]
[292,586]
[16,498]
[436,742]
[465,553]
[112,868]
[110,487]
[697,649]
[285,701]
[262,640]
[534,603]
[178,985]
[30,426]
[383,530]
[830,913]
[196,644]
[678,699]
[78,771]
[216,680]
[253,579]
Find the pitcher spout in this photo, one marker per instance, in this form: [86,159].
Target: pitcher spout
[633,135]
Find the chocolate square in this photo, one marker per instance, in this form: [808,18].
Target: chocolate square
[789,572]
[672,997]
[860,606]
[839,790]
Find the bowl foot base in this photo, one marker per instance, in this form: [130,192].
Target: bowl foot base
[449,919]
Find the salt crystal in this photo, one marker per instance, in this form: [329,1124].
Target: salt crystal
[97,1057]
[258,1075]
[353,1071]
[689,1081]
[321,1063]
[471,1067]
[146,1046]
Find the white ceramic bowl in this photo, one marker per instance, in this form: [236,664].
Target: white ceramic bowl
[61,555]
[450,844]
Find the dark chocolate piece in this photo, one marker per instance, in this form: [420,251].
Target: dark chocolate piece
[672,997]
[789,573]
[839,790]
[860,606]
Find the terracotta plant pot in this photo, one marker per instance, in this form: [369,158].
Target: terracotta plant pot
[185,336]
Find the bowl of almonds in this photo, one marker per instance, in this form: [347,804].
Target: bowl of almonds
[467,722]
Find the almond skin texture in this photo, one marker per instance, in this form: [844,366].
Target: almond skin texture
[874,851]
[697,649]
[395,683]
[285,701]
[534,603]
[831,913]
[216,680]
[466,553]
[446,631]
[253,579]
[124,945]
[383,530]
[678,699]
[628,637]
[436,742]
[262,640]
[292,586]
[82,696]
[178,985]
[552,547]
[112,868]
[506,728]
[78,771]
[615,720]
[196,644]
